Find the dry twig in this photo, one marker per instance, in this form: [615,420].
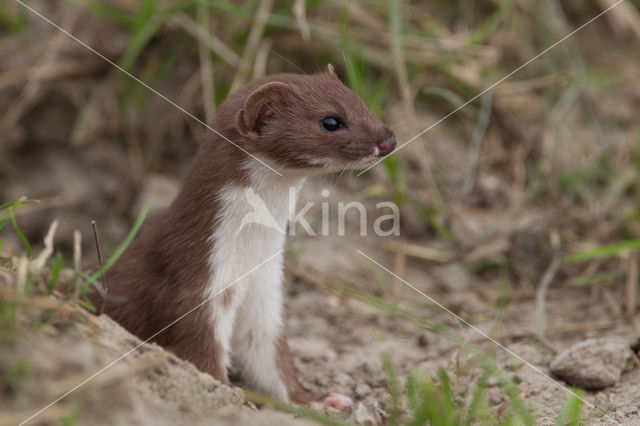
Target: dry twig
[545,282]
[99,250]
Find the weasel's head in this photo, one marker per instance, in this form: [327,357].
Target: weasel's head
[312,122]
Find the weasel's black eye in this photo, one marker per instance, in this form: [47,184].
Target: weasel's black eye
[331,124]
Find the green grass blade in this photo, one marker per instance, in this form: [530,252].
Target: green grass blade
[123,246]
[430,216]
[524,414]
[112,13]
[419,396]
[448,403]
[17,203]
[56,267]
[481,33]
[21,236]
[394,390]
[15,24]
[478,396]
[398,175]
[598,278]
[395,22]
[570,414]
[5,217]
[413,393]
[146,26]
[605,251]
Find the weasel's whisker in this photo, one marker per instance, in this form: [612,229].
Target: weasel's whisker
[349,164]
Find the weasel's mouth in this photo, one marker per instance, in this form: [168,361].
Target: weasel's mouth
[369,153]
[356,156]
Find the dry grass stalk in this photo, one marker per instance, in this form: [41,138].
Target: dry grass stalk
[624,16]
[580,327]
[300,12]
[77,256]
[363,17]
[262,57]
[407,95]
[494,249]
[545,282]
[476,141]
[48,247]
[48,60]
[66,68]
[23,269]
[94,227]
[399,269]
[253,43]
[518,88]
[206,66]
[611,302]
[211,42]
[419,251]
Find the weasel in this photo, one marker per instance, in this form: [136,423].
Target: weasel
[299,125]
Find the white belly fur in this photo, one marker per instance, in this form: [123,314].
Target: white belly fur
[248,328]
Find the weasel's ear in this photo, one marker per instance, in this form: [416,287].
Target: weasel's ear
[332,71]
[262,104]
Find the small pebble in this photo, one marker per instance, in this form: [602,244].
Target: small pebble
[362,390]
[342,378]
[514,364]
[363,416]
[423,340]
[495,396]
[592,364]
[310,349]
[332,411]
[321,381]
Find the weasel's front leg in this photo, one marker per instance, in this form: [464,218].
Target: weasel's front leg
[258,328]
[296,393]
[260,351]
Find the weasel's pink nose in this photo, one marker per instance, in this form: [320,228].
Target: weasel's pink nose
[386,146]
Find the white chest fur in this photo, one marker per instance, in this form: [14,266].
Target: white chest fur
[250,230]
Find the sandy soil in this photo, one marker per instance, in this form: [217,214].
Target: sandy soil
[338,344]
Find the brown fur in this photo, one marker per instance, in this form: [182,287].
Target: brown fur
[288,373]
[165,272]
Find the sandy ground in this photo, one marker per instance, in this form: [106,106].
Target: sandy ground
[338,344]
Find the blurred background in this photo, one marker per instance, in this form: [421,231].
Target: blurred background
[520,211]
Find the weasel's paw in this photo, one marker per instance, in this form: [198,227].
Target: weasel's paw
[332,399]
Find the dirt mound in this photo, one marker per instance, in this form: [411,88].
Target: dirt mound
[54,348]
